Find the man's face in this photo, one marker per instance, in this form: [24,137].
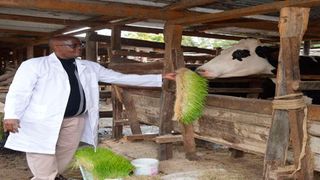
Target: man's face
[68,49]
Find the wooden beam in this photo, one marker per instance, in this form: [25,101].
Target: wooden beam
[109,9]
[237,13]
[137,68]
[33,19]
[264,25]
[252,105]
[13,31]
[185,33]
[185,4]
[143,43]
[139,137]
[168,138]
[44,20]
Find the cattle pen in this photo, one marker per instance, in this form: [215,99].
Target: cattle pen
[285,131]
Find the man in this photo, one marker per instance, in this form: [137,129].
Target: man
[52,104]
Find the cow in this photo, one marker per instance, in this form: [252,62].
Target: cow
[251,57]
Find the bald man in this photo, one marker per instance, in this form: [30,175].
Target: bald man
[53,104]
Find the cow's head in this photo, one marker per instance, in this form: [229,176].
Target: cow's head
[248,57]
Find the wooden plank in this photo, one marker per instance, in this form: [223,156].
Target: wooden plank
[168,138]
[235,90]
[315,144]
[139,137]
[246,146]
[237,116]
[159,56]
[13,31]
[185,33]
[251,105]
[314,112]
[137,68]
[314,128]
[150,44]
[232,131]
[145,93]
[306,85]
[135,53]
[103,114]
[317,162]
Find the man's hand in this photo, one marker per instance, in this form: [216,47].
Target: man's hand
[11,125]
[169,76]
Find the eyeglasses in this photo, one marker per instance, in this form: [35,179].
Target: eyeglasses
[74,46]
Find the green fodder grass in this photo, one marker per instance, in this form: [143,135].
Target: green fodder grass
[191,93]
[103,163]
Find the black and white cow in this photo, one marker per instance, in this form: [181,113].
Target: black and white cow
[250,57]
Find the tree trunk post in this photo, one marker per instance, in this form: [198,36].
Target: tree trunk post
[292,26]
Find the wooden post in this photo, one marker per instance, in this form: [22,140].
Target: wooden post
[115,43]
[173,58]
[30,52]
[128,102]
[117,109]
[117,106]
[292,25]
[20,56]
[91,47]
[306,48]
[15,57]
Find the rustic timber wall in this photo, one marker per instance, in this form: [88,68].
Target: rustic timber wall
[240,123]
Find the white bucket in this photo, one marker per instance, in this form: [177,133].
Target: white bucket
[145,166]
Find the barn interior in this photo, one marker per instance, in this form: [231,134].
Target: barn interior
[251,126]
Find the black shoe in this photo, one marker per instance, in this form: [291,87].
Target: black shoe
[60,177]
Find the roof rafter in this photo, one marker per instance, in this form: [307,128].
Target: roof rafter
[185,4]
[47,20]
[33,33]
[111,9]
[236,13]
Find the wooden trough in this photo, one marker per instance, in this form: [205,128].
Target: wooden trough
[239,123]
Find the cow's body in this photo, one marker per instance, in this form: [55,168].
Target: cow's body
[250,57]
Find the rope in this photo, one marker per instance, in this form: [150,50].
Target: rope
[282,103]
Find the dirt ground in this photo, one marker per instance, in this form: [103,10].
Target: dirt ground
[215,163]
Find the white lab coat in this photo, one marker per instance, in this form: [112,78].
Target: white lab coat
[38,97]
